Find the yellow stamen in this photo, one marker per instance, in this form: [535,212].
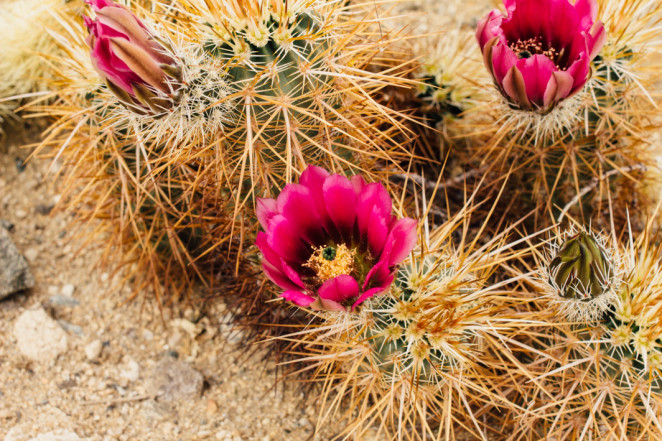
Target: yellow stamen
[326,268]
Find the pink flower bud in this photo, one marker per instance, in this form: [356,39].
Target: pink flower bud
[539,53]
[137,68]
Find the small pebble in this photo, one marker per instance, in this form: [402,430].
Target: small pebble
[6,225]
[148,335]
[70,327]
[31,254]
[68,290]
[93,350]
[43,209]
[132,371]
[212,407]
[38,336]
[61,300]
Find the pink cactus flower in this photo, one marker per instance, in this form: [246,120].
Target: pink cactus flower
[539,53]
[331,242]
[126,54]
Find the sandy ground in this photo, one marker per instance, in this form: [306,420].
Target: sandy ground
[122,373]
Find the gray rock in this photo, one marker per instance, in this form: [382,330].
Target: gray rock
[71,328]
[15,274]
[39,337]
[61,300]
[7,225]
[174,380]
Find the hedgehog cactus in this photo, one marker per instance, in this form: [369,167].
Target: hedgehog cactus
[293,70]
[281,54]
[425,357]
[407,339]
[601,378]
[210,107]
[562,112]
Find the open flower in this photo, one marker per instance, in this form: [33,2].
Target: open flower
[540,52]
[137,68]
[331,242]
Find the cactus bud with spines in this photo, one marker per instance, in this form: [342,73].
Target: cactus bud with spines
[602,378]
[581,269]
[582,274]
[137,68]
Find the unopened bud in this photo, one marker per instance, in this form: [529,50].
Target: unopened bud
[581,269]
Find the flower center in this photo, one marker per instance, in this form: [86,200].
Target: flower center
[534,46]
[330,262]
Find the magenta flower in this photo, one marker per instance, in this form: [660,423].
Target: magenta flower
[126,54]
[331,242]
[540,52]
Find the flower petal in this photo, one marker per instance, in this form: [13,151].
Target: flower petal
[358,182]
[536,72]
[401,240]
[515,87]
[292,274]
[373,292]
[489,27]
[374,198]
[298,298]
[502,61]
[265,210]
[278,277]
[377,232]
[282,237]
[296,203]
[340,201]
[267,253]
[596,40]
[313,178]
[377,274]
[579,70]
[339,289]
[100,4]
[140,62]
[588,10]
[558,88]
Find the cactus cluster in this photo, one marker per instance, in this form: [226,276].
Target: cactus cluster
[184,127]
